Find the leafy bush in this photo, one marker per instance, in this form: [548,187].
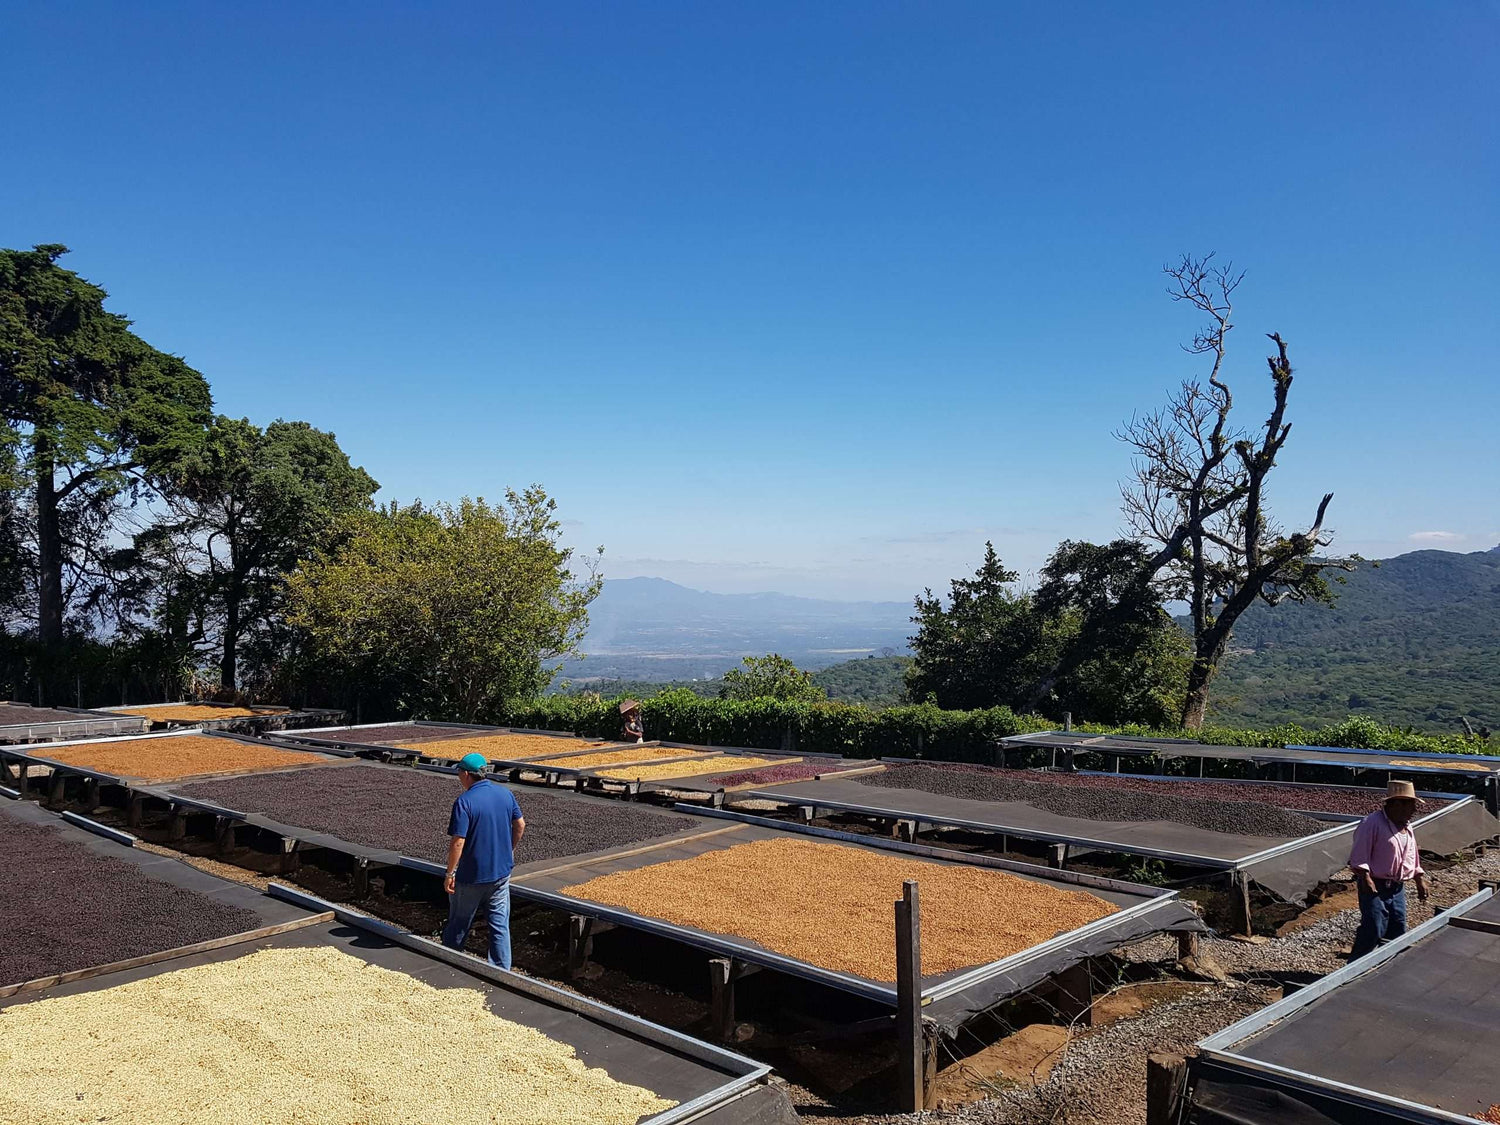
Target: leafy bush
[924,730]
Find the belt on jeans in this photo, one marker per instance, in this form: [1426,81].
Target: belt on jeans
[1387,882]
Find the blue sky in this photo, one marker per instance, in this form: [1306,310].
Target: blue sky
[810,298]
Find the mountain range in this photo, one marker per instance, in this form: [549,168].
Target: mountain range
[652,629]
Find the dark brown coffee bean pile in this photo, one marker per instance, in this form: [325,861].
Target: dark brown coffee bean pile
[20,713]
[792,771]
[1356,802]
[406,810]
[980,783]
[67,907]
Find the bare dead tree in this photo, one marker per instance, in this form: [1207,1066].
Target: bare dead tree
[1198,492]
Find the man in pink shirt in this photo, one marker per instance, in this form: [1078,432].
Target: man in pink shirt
[1383,857]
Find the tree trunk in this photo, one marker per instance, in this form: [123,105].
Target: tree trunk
[1195,706]
[49,548]
[230,655]
[1208,651]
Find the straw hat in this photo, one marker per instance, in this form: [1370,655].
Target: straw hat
[1398,790]
[628,706]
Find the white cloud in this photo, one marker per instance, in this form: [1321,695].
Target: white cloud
[1436,537]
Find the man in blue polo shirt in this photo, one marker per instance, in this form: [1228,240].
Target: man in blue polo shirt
[484,829]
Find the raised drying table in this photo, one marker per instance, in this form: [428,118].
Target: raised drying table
[1065,746]
[949,998]
[1288,867]
[254,718]
[380,816]
[20,722]
[1408,1033]
[91,779]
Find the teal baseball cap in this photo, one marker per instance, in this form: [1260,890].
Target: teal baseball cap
[473,763]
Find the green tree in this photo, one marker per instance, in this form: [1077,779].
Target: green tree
[770,677]
[1122,659]
[449,612]
[243,510]
[987,646]
[97,413]
[1092,639]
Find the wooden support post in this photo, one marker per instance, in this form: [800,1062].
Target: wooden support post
[5,771]
[1075,994]
[809,813]
[223,835]
[23,770]
[911,1053]
[177,830]
[55,786]
[1067,720]
[290,859]
[580,943]
[1187,945]
[721,988]
[1239,904]
[90,794]
[1166,1082]
[1057,855]
[359,878]
[1492,795]
[135,808]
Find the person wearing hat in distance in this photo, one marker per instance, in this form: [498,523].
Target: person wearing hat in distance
[484,829]
[1384,856]
[634,728]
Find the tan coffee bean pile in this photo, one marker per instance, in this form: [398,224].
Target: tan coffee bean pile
[187,713]
[831,905]
[1479,767]
[304,1036]
[614,757]
[508,746]
[721,764]
[162,759]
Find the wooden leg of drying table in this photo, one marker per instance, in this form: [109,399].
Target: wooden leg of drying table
[135,807]
[580,943]
[360,879]
[1166,1082]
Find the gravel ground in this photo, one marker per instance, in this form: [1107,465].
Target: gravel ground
[67,908]
[406,811]
[981,783]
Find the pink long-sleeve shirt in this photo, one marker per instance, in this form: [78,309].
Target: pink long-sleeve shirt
[1385,851]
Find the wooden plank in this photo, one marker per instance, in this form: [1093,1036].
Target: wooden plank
[1478,924]
[41,983]
[910,1062]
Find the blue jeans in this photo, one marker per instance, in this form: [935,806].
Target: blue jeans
[1382,915]
[493,899]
